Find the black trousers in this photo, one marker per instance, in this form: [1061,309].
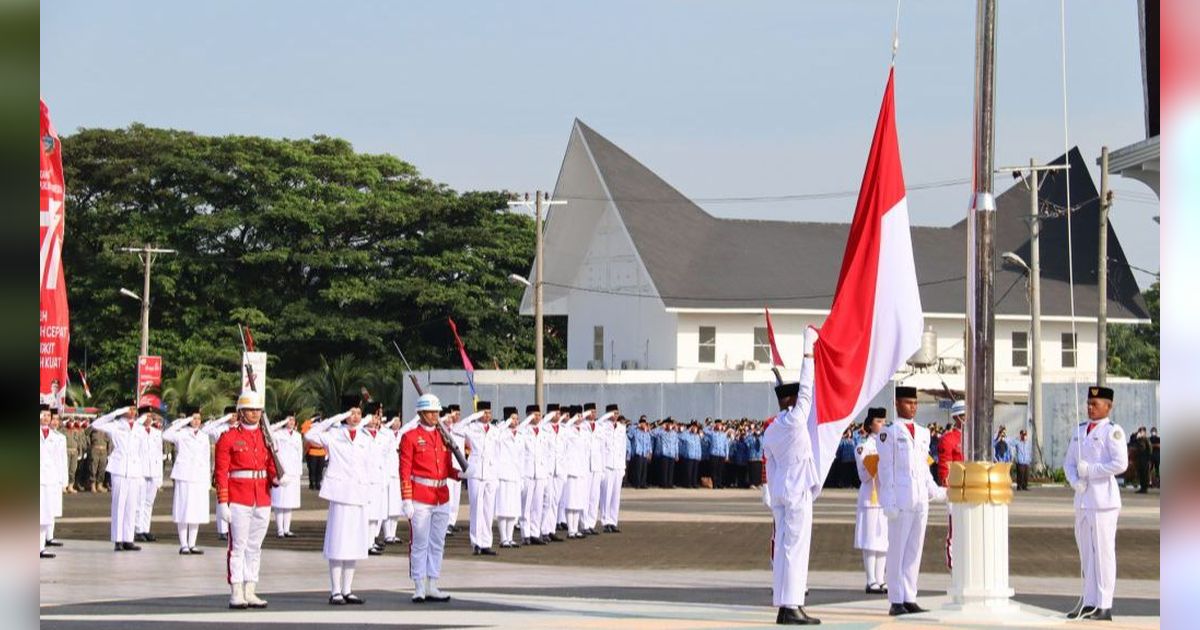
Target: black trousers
[666,472]
[316,471]
[1022,476]
[717,470]
[691,473]
[756,472]
[636,475]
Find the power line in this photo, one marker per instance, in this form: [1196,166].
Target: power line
[749,298]
[833,194]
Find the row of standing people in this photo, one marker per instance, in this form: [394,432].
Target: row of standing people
[673,454]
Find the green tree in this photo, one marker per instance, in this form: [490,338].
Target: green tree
[289,396]
[1133,350]
[195,386]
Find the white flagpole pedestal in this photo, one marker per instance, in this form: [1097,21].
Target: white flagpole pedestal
[979,494]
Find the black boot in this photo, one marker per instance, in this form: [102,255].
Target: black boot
[912,607]
[1080,610]
[1101,614]
[130,547]
[897,609]
[794,617]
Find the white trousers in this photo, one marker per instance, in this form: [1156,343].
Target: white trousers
[592,511]
[428,530]
[126,499]
[283,520]
[560,484]
[389,528]
[187,534]
[1096,536]
[451,507]
[610,497]
[533,507]
[906,540]
[550,501]
[789,566]
[146,505]
[341,576]
[875,564]
[247,528]
[482,495]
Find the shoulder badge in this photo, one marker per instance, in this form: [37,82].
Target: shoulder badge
[860,450]
[883,436]
[1117,434]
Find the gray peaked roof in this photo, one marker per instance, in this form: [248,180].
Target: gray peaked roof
[699,261]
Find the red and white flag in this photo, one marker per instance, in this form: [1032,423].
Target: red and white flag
[776,360]
[53,319]
[876,320]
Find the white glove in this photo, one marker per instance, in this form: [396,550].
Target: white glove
[1079,487]
[810,339]
[939,495]
[766,496]
[407,507]
[891,513]
[223,513]
[1082,469]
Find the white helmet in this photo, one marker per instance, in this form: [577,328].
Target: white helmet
[959,408]
[428,402]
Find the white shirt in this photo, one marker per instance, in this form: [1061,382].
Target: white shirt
[868,483]
[289,445]
[346,476]
[482,439]
[53,459]
[192,452]
[125,459]
[1107,455]
[905,481]
[788,449]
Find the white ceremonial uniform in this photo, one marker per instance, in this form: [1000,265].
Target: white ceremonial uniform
[509,448]
[792,471]
[556,477]
[51,479]
[482,474]
[537,462]
[125,470]
[577,488]
[214,429]
[377,477]
[391,467]
[906,487]
[152,476]
[344,487]
[614,474]
[454,485]
[870,526]
[597,468]
[289,447]
[192,477]
[60,459]
[1103,454]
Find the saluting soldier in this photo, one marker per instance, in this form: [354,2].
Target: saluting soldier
[125,471]
[556,474]
[189,506]
[482,473]
[537,463]
[870,526]
[906,487]
[615,451]
[51,478]
[425,467]
[152,475]
[508,470]
[285,498]
[1096,455]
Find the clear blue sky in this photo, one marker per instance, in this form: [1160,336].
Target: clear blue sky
[722,99]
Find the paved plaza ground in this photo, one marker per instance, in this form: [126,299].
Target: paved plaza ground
[684,559]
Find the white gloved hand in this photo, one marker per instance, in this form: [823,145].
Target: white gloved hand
[407,507]
[766,498]
[810,340]
[223,513]
[939,495]
[1082,469]
[1079,487]
[891,513]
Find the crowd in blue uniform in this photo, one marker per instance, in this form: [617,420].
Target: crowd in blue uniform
[670,454]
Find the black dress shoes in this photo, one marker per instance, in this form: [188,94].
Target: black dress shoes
[1101,614]
[130,547]
[896,610]
[912,607]
[554,538]
[337,600]
[196,552]
[46,554]
[795,617]
[1081,611]
[53,543]
[351,598]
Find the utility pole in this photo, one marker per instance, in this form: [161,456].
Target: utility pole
[146,254]
[1034,182]
[1102,274]
[540,200]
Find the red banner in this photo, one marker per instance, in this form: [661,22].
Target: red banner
[53,320]
[149,378]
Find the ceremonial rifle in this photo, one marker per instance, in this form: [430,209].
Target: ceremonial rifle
[262,421]
[450,443]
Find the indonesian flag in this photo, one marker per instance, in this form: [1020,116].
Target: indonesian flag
[53,318]
[776,360]
[876,320]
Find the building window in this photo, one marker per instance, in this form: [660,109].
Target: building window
[762,346]
[708,344]
[1020,349]
[598,343]
[1068,350]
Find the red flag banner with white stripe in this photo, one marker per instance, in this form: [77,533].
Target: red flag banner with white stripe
[776,359]
[53,318]
[876,320]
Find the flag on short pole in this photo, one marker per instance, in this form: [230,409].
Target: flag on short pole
[776,359]
[87,391]
[466,361]
[875,322]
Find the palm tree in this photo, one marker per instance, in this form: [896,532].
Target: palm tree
[289,396]
[331,381]
[386,387]
[195,386]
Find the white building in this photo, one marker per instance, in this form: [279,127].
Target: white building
[650,281]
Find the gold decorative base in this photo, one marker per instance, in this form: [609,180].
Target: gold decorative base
[979,482]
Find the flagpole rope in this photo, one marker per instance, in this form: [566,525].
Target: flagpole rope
[896,35]
[1070,237]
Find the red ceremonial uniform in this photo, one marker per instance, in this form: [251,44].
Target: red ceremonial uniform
[949,450]
[423,454]
[242,450]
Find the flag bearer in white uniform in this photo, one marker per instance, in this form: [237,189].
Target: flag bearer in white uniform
[125,470]
[1097,454]
[377,476]
[213,429]
[152,475]
[906,486]
[597,445]
[556,473]
[578,487]
[537,460]
[870,526]
[52,476]
[192,478]
[508,469]
[345,486]
[453,414]
[424,470]
[285,498]
[482,473]
[792,469]
[614,469]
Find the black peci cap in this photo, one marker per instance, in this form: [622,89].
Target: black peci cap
[611,407]
[551,407]
[905,391]
[876,412]
[510,411]
[532,409]
[787,389]
[1103,393]
[589,406]
[349,402]
[454,407]
[483,405]
[230,409]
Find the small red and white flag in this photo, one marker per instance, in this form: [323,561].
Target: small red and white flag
[87,391]
[776,359]
[876,320]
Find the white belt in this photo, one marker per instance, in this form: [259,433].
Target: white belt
[248,474]
[432,483]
